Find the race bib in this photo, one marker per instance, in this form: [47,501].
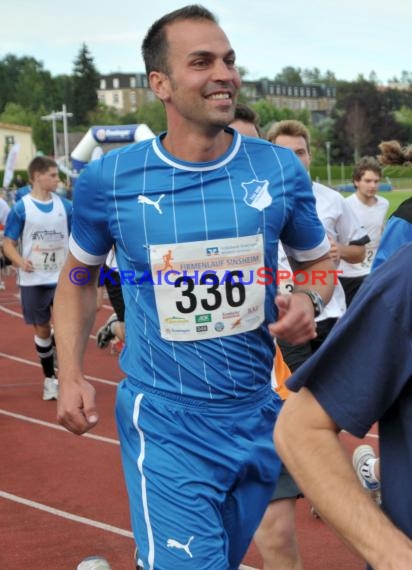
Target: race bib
[208,289]
[48,257]
[368,259]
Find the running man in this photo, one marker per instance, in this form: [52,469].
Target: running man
[196,411]
[371,210]
[36,242]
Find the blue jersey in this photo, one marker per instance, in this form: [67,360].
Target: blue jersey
[397,232]
[363,374]
[190,218]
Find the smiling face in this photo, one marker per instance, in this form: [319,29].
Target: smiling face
[200,87]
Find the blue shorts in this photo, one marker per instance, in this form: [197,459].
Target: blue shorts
[199,476]
[36,303]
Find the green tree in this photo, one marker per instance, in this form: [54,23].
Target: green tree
[34,86]
[152,114]
[362,119]
[24,81]
[319,135]
[104,115]
[63,92]
[291,75]
[404,118]
[269,113]
[41,130]
[15,114]
[310,76]
[85,84]
[42,133]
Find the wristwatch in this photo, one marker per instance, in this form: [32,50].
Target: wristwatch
[317,301]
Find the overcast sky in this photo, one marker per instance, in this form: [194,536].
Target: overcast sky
[349,38]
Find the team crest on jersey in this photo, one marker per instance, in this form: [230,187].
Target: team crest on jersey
[257,194]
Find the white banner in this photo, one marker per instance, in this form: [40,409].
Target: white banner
[10,162]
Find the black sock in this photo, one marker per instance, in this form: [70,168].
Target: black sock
[44,348]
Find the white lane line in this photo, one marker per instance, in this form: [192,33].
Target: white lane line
[78,519]
[10,312]
[65,515]
[38,365]
[56,426]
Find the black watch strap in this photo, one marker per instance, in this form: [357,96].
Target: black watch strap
[316,298]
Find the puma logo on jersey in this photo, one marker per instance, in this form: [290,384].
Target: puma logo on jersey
[145,200]
[172,543]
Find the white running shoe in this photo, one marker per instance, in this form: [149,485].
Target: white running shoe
[50,389]
[94,563]
[361,463]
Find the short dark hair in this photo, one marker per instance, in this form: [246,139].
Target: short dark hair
[155,46]
[364,164]
[245,113]
[40,164]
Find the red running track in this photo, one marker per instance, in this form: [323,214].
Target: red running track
[62,497]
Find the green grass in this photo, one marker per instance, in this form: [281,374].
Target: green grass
[395,198]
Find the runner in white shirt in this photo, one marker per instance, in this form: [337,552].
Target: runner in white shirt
[371,211]
[36,241]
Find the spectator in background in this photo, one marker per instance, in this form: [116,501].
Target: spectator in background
[371,210]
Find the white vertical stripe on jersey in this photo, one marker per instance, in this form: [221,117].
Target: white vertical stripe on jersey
[140,461]
[228,367]
[204,371]
[234,202]
[179,372]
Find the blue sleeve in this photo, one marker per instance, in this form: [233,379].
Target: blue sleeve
[303,230]
[366,361]
[397,232]
[90,228]
[15,221]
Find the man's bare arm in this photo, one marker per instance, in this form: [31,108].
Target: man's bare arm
[295,322]
[74,314]
[307,440]
[11,252]
[351,253]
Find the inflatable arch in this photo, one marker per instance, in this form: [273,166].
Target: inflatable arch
[95,136]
